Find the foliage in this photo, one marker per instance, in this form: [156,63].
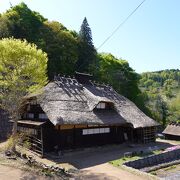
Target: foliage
[22,70]
[69,51]
[61,48]
[5,27]
[119,74]
[11,141]
[121,161]
[86,50]
[85,33]
[26,23]
[162,89]
[174,109]
[52,37]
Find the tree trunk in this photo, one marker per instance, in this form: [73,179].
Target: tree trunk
[14,130]
[14,135]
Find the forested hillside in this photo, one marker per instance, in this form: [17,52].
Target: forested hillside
[69,51]
[161,92]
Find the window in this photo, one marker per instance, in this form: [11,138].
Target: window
[85,131]
[30,115]
[43,116]
[101,105]
[96,131]
[106,130]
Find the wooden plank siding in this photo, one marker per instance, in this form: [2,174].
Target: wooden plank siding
[71,136]
[68,137]
[5,125]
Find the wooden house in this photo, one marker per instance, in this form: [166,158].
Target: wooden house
[172,131]
[77,112]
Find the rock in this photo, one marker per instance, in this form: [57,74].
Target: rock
[13,158]
[24,156]
[30,157]
[128,154]
[8,153]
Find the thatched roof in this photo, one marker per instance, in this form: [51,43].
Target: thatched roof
[172,129]
[66,101]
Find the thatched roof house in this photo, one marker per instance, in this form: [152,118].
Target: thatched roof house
[79,105]
[172,131]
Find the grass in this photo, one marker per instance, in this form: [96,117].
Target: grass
[122,160]
[158,151]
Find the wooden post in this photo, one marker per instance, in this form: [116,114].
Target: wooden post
[42,144]
[74,138]
[132,138]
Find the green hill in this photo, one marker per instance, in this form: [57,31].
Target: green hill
[161,91]
[69,51]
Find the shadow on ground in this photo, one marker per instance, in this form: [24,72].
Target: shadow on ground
[31,176]
[99,155]
[94,176]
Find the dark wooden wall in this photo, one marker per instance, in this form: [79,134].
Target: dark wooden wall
[73,138]
[172,137]
[5,125]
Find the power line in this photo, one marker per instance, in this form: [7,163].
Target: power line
[121,24]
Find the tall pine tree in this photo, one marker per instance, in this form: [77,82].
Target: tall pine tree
[85,33]
[86,50]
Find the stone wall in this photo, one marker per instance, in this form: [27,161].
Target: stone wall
[5,125]
[145,163]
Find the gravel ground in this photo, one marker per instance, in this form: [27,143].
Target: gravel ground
[10,173]
[169,173]
[172,176]
[92,165]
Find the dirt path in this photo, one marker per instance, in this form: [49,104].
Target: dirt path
[10,173]
[91,163]
[107,172]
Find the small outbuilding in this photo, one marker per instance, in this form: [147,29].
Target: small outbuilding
[172,131]
[77,112]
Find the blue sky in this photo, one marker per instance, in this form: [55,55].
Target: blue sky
[149,40]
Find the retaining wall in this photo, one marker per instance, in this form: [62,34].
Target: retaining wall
[155,160]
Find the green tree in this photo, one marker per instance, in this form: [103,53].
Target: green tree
[5,27]
[86,51]
[85,34]
[161,107]
[22,71]
[174,108]
[26,23]
[52,37]
[61,47]
[119,74]
[162,88]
